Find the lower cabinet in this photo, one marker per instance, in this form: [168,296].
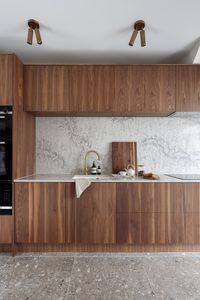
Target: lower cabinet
[44,213]
[6,229]
[158,213]
[96,215]
[106,213]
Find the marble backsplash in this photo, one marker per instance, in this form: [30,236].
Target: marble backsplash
[165,145]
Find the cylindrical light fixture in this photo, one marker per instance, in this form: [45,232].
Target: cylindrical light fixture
[38,36]
[133,37]
[30,36]
[138,27]
[142,38]
[34,26]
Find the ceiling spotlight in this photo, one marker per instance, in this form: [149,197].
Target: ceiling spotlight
[138,26]
[34,26]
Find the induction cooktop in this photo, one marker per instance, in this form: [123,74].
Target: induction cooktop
[185,176]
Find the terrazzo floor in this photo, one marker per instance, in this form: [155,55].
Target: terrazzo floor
[100,276]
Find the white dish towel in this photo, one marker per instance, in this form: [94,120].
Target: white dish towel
[81,186]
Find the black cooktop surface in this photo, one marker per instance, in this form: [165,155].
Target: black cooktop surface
[185,176]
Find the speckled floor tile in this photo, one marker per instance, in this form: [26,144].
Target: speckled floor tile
[4,259]
[175,277]
[36,278]
[100,276]
[109,278]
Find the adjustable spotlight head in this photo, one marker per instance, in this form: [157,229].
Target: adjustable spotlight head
[30,36]
[38,36]
[34,25]
[142,38]
[133,37]
[138,26]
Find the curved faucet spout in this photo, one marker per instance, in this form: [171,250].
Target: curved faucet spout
[86,155]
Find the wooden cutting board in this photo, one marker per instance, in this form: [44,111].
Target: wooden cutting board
[123,154]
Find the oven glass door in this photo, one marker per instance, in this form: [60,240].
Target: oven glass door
[5,160]
[5,126]
[5,197]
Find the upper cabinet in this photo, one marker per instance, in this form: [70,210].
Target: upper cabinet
[92,89]
[6,79]
[188,88]
[46,88]
[160,89]
[129,89]
[100,89]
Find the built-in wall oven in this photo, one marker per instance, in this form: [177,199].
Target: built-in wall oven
[5,160]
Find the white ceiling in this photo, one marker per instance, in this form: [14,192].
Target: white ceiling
[91,31]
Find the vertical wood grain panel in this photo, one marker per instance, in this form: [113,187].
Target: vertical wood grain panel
[23,129]
[186,99]
[24,205]
[6,79]
[160,88]
[104,90]
[46,88]
[82,89]
[70,200]
[40,213]
[6,229]
[185,197]
[96,215]
[129,89]
[158,213]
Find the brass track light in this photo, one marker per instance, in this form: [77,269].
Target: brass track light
[38,36]
[30,36]
[34,26]
[138,26]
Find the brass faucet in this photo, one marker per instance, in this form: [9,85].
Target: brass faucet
[86,155]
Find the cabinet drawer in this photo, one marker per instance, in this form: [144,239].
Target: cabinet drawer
[143,197]
[158,228]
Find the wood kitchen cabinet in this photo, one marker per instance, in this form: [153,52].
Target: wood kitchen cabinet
[96,215]
[158,213]
[44,213]
[6,79]
[46,88]
[92,90]
[145,89]
[129,89]
[142,213]
[160,88]
[6,225]
[188,88]
[100,89]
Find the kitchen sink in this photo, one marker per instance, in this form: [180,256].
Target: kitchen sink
[93,177]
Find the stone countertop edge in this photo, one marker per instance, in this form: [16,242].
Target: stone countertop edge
[69,178]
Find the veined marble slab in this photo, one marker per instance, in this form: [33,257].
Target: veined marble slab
[165,145]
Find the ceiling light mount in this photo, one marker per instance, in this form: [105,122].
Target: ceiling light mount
[34,26]
[138,27]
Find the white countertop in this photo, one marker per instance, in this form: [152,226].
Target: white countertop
[69,178]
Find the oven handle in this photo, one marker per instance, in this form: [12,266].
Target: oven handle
[6,207]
